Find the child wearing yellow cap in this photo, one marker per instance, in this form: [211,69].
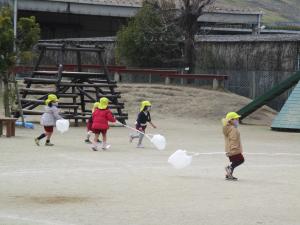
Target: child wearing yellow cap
[48,119]
[89,125]
[233,146]
[141,123]
[101,116]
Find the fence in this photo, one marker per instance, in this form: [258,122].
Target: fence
[253,84]
[123,74]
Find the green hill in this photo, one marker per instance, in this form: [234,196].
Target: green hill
[274,10]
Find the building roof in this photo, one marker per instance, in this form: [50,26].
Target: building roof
[178,3]
[249,38]
[133,3]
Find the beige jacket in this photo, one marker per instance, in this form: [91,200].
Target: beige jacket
[233,144]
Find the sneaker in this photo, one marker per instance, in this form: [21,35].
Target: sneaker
[230,177]
[87,141]
[140,146]
[130,138]
[49,144]
[37,141]
[228,170]
[105,147]
[94,148]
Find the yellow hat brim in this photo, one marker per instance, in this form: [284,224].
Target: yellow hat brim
[103,106]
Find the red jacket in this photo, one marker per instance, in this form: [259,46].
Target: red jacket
[101,118]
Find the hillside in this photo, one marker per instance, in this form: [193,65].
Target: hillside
[189,103]
[184,102]
[274,10]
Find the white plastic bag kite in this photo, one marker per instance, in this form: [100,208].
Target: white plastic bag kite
[62,125]
[159,141]
[180,159]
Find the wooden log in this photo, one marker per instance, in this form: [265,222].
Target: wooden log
[32,112]
[35,91]
[42,102]
[71,74]
[66,84]
[68,106]
[32,91]
[84,93]
[67,95]
[67,115]
[100,96]
[42,53]
[26,100]
[38,112]
[34,80]
[101,81]
[102,92]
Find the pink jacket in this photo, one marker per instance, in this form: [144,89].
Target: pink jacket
[101,117]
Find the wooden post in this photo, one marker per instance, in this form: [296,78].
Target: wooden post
[253,86]
[74,103]
[181,81]
[78,55]
[167,80]
[222,84]
[1,128]
[19,100]
[35,68]
[215,84]
[117,76]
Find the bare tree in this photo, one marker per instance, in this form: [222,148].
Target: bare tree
[182,17]
[187,20]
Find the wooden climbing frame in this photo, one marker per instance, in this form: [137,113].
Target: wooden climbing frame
[74,88]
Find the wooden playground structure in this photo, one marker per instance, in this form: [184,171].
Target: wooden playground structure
[74,88]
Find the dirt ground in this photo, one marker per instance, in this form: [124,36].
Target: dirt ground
[69,184]
[190,102]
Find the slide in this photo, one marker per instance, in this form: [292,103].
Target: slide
[269,95]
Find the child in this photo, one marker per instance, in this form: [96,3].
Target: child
[89,125]
[48,119]
[141,123]
[233,146]
[101,116]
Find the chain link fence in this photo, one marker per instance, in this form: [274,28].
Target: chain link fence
[253,84]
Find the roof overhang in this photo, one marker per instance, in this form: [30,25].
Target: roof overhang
[76,7]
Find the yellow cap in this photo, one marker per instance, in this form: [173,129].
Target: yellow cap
[232,115]
[103,103]
[143,104]
[51,98]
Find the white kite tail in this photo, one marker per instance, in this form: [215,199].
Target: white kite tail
[193,153]
[124,125]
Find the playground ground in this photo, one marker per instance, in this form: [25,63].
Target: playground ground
[69,184]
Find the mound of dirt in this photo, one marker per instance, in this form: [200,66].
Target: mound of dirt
[189,102]
[186,102]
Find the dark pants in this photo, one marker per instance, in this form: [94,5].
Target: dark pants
[236,160]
